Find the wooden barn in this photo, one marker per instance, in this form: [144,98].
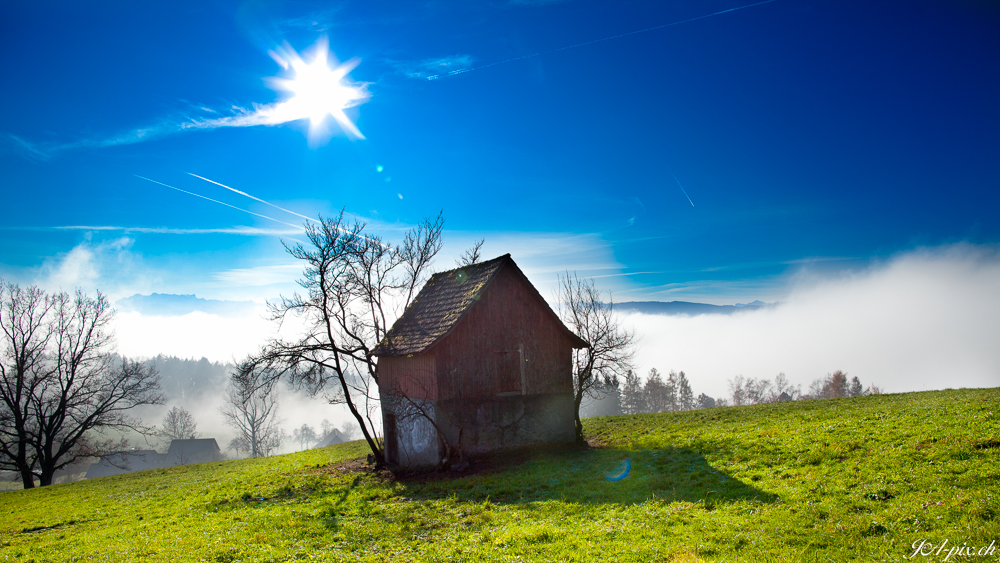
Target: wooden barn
[478,362]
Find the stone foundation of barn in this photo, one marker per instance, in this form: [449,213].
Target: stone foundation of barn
[475,425]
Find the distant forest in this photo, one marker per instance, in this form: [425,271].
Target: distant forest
[673,393]
[189,380]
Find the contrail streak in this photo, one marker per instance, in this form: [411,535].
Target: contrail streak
[219,202]
[591,42]
[254,198]
[682,187]
[341,229]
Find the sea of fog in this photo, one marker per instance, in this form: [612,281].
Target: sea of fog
[927,319]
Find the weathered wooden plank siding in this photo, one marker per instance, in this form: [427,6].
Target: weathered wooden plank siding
[412,376]
[482,355]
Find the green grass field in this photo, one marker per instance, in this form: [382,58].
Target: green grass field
[832,480]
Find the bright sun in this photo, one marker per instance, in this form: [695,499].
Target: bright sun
[318,89]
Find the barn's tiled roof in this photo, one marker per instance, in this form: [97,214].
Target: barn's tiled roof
[439,305]
[443,302]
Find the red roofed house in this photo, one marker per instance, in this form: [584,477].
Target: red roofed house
[480,358]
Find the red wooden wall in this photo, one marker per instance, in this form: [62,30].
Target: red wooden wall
[481,356]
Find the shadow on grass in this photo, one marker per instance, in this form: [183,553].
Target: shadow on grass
[582,476]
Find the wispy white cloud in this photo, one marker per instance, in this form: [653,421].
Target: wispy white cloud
[256,115]
[314,85]
[109,266]
[318,22]
[432,67]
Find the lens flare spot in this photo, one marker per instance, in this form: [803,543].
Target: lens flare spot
[378,168]
[620,471]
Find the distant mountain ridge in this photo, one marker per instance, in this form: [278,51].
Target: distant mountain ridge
[687,307]
[172,305]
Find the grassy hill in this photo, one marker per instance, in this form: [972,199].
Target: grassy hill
[834,480]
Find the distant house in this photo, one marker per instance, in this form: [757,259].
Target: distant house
[181,452]
[334,436]
[194,450]
[478,358]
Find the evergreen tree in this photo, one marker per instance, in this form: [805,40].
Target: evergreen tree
[657,394]
[856,389]
[633,397]
[705,402]
[672,390]
[685,397]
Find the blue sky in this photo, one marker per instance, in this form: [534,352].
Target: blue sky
[808,134]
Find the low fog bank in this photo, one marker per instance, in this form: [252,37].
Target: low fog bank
[198,387]
[927,319]
[207,345]
[193,335]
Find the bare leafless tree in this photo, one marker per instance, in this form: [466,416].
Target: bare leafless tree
[178,424]
[63,390]
[304,435]
[251,408]
[472,255]
[24,316]
[783,390]
[612,347]
[356,286]
[751,391]
[239,444]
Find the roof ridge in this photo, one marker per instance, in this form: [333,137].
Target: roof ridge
[476,265]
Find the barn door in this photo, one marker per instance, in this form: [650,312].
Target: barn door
[391,443]
[508,371]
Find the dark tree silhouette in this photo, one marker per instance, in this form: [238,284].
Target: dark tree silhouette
[472,255]
[705,402]
[856,389]
[61,385]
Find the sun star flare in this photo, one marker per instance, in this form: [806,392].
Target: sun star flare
[319,87]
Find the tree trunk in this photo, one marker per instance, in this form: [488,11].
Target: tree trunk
[27,479]
[377,452]
[576,412]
